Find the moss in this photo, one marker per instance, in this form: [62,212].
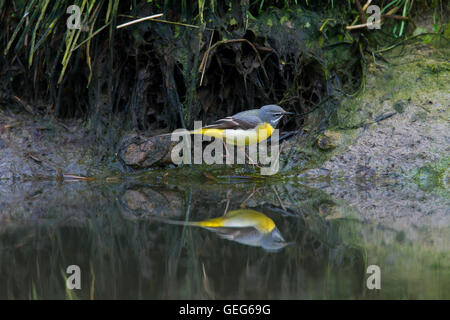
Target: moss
[433,175]
[447,31]
[400,106]
[434,66]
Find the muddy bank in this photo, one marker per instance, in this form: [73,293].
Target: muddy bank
[398,127]
[33,148]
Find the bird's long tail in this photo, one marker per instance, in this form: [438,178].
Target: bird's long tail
[210,223]
[177,222]
[202,131]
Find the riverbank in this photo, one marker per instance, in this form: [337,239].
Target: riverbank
[397,128]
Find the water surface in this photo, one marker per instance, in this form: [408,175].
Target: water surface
[131,241]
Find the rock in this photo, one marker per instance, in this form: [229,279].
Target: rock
[143,152]
[328,140]
[314,173]
[141,201]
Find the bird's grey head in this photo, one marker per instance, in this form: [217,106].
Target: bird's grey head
[272,114]
[274,241]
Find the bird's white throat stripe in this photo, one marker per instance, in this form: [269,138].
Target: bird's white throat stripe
[278,119]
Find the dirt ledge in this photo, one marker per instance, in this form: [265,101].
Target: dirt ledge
[414,90]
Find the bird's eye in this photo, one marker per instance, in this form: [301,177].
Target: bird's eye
[277,114]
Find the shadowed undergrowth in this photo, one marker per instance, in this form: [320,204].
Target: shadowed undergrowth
[199,61]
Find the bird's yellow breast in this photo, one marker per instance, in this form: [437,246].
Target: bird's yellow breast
[239,137]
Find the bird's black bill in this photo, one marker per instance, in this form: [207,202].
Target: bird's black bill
[288,113]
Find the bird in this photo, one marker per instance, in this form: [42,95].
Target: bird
[245,226]
[247,127]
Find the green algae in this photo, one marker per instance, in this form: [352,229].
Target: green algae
[433,175]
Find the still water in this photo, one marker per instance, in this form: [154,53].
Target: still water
[223,238]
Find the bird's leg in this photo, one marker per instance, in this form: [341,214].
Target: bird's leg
[228,202]
[279,199]
[226,153]
[250,160]
[248,198]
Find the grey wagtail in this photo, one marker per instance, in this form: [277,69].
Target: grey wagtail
[246,127]
[245,226]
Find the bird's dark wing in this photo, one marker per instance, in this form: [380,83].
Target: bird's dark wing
[236,122]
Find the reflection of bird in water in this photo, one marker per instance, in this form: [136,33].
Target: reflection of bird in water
[244,226]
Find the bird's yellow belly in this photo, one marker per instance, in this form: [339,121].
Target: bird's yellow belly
[240,137]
